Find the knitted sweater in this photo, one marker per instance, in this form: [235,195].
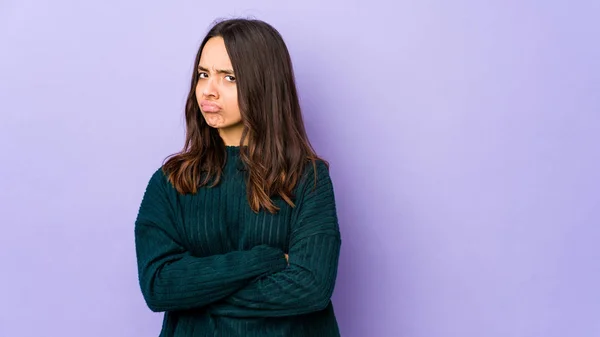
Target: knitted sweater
[216,268]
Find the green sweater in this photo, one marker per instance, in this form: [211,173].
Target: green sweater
[216,268]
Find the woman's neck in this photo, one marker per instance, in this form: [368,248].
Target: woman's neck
[232,136]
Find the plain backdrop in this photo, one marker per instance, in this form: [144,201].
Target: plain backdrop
[463,138]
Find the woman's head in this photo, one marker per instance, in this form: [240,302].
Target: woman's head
[217,92]
[243,92]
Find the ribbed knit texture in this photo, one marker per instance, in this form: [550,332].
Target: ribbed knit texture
[216,268]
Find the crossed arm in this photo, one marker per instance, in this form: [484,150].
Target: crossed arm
[260,282]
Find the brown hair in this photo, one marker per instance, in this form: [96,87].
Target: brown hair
[278,147]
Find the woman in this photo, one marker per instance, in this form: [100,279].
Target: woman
[237,235]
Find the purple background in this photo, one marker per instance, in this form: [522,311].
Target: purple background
[463,137]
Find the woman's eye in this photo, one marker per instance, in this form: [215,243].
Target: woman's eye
[230,78]
[202,75]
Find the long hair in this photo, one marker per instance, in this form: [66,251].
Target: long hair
[278,148]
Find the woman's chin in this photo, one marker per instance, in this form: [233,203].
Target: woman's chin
[214,120]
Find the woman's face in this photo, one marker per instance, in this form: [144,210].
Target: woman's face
[216,91]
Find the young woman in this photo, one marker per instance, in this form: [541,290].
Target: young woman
[237,235]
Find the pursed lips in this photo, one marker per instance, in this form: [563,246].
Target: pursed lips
[208,106]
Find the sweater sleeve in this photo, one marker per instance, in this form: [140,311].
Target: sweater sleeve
[173,279]
[307,284]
